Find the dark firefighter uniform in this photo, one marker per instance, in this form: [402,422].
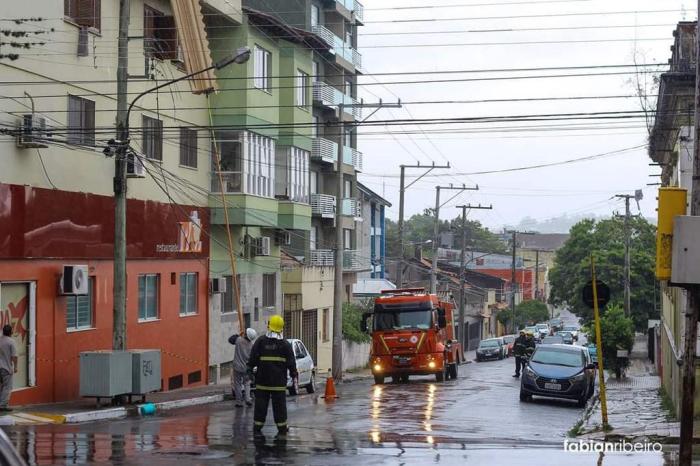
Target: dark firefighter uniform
[519,346]
[273,358]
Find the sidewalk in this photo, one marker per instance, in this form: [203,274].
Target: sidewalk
[634,405]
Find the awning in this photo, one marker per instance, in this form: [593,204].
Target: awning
[194,44]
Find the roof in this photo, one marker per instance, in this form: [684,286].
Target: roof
[281,29]
[371,286]
[542,241]
[372,195]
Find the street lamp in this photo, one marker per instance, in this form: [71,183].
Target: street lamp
[242,55]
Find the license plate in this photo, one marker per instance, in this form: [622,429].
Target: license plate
[552,386]
[404,361]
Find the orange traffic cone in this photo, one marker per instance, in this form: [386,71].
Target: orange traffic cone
[330,389]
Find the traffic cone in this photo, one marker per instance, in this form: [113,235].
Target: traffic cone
[330,389]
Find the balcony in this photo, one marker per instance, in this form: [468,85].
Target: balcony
[323,150]
[339,47]
[352,208]
[354,261]
[358,11]
[323,205]
[352,157]
[329,96]
[321,258]
[232,182]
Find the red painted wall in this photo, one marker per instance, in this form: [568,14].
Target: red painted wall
[523,277]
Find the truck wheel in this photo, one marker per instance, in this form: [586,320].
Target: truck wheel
[311,387]
[404,379]
[378,379]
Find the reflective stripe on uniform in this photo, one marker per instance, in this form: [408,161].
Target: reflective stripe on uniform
[258,423]
[281,424]
[270,389]
[273,358]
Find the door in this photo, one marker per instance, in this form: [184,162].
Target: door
[16,309]
[309,331]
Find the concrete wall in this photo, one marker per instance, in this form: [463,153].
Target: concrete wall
[355,355]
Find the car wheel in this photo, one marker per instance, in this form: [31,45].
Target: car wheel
[378,379]
[500,356]
[524,397]
[440,376]
[404,379]
[582,401]
[311,387]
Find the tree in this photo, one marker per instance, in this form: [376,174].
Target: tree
[616,332]
[526,313]
[605,240]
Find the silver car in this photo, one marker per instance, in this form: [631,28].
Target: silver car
[305,367]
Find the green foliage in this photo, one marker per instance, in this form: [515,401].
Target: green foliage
[352,317]
[617,332]
[605,240]
[526,313]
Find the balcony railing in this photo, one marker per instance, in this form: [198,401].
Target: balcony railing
[323,205]
[329,96]
[322,258]
[339,46]
[359,11]
[353,260]
[352,208]
[324,150]
[352,157]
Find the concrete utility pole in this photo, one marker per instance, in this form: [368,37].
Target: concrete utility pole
[462,271]
[337,353]
[436,228]
[119,279]
[402,190]
[691,315]
[537,274]
[513,282]
[628,238]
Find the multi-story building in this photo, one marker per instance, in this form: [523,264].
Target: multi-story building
[56,188]
[671,146]
[371,238]
[538,250]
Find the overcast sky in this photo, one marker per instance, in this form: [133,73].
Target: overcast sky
[584,187]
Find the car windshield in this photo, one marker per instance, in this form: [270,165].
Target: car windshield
[541,325]
[488,343]
[552,340]
[530,329]
[402,316]
[557,357]
[510,339]
[570,328]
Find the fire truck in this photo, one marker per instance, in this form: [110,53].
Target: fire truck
[413,333]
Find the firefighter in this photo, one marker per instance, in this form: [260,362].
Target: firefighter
[240,385]
[519,346]
[529,346]
[273,357]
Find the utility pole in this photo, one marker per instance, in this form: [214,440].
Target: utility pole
[402,190]
[436,228]
[462,267]
[119,279]
[513,283]
[628,236]
[537,274]
[693,308]
[337,353]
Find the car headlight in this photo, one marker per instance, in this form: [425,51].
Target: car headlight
[530,373]
[578,377]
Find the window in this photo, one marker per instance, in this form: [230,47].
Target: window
[302,88]
[347,189]
[315,68]
[313,182]
[188,293]
[298,175]
[324,325]
[347,238]
[313,237]
[79,309]
[314,126]
[188,147]
[148,296]
[315,14]
[81,121]
[159,35]
[229,298]
[247,163]
[269,289]
[152,138]
[84,13]
[348,87]
[263,68]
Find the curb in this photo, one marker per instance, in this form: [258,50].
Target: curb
[101,415]
[202,400]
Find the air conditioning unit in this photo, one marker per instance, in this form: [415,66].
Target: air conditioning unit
[134,166]
[31,133]
[264,246]
[74,280]
[217,285]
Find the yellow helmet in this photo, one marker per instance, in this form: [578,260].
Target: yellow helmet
[276,324]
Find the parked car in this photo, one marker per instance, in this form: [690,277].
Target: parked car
[573,329]
[305,367]
[567,337]
[553,340]
[559,371]
[593,353]
[544,330]
[534,330]
[556,324]
[491,348]
[509,341]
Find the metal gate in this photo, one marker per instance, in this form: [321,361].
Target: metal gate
[474,335]
[309,331]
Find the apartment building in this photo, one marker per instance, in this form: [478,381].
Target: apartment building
[56,187]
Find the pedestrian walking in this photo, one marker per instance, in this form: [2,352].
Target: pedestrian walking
[240,381]
[273,357]
[8,366]
[519,352]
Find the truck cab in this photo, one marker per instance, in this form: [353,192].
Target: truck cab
[412,334]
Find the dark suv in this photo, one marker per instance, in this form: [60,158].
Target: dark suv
[559,371]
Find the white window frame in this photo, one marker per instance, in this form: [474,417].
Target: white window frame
[313,182]
[298,174]
[142,297]
[76,301]
[347,239]
[315,15]
[262,68]
[313,238]
[302,88]
[190,280]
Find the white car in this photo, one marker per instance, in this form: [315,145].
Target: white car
[305,367]
[544,330]
[573,329]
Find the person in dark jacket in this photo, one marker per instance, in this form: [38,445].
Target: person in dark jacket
[273,357]
[240,385]
[519,346]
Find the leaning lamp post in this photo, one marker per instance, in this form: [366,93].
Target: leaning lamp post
[120,150]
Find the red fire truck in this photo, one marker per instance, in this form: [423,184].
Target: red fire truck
[413,333]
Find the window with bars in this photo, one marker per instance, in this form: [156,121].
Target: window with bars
[148,296]
[152,138]
[262,61]
[81,121]
[269,289]
[159,35]
[188,293]
[188,147]
[80,309]
[229,297]
[302,88]
[85,13]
